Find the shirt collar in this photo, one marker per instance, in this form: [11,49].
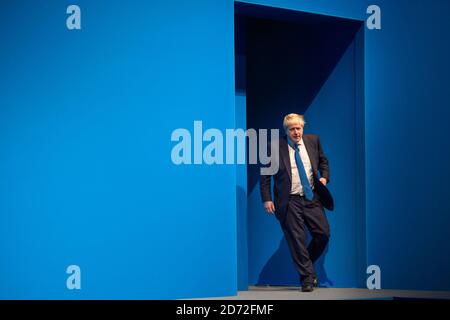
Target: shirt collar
[300,143]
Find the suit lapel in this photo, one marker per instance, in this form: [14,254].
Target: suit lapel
[311,153]
[284,154]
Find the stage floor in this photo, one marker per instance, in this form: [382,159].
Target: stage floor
[293,293]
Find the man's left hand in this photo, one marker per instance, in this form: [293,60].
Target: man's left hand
[324,181]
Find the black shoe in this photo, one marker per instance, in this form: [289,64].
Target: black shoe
[307,287]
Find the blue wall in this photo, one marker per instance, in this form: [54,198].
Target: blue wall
[406,101]
[86,176]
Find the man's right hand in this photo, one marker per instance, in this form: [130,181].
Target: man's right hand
[269,206]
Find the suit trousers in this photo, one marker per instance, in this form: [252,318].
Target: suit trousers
[301,215]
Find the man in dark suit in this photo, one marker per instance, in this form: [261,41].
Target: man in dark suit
[297,203]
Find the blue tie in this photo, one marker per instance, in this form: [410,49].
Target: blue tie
[302,173]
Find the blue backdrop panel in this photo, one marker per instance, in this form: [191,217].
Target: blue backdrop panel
[86,176]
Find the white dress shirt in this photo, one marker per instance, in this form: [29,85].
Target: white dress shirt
[296,184]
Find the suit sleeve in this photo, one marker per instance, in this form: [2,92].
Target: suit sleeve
[265,185]
[323,162]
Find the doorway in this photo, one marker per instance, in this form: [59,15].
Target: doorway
[290,61]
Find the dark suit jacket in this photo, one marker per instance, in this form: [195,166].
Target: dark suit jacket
[283,178]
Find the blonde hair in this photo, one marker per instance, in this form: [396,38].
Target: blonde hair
[293,118]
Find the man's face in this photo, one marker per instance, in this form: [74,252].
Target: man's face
[295,132]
